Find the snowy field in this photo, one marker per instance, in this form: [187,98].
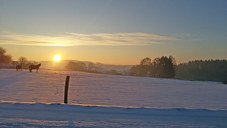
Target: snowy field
[96,100]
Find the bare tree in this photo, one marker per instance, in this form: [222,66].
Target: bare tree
[2,51]
[22,61]
[3,57]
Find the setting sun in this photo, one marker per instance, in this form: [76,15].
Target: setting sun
[57,58]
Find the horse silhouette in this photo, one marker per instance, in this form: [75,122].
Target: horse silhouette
[19,66]
[34,67]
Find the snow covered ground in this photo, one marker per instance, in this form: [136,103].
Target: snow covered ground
[96,100]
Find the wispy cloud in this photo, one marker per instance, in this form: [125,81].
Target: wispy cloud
[76,39]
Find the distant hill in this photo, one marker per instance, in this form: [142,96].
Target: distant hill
[124,69]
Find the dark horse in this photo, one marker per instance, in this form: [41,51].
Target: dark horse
[34,67]
[19,66]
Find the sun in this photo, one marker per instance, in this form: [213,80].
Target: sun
[57,58]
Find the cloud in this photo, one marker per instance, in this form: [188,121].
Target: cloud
[77,39]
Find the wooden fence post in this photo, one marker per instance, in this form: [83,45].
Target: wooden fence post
[66,89]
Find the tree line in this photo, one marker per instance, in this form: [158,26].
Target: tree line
[163,67]
[208,70]
[7,59]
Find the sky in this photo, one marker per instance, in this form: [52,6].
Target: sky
[119,32]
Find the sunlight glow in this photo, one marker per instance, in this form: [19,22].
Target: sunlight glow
[57,58]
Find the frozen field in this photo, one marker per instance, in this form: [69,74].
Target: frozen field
[31,100]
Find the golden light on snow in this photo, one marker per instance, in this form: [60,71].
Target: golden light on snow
[57,58]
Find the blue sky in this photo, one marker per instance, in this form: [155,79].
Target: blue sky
[114,31]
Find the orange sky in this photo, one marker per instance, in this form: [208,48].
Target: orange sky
[114,32]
